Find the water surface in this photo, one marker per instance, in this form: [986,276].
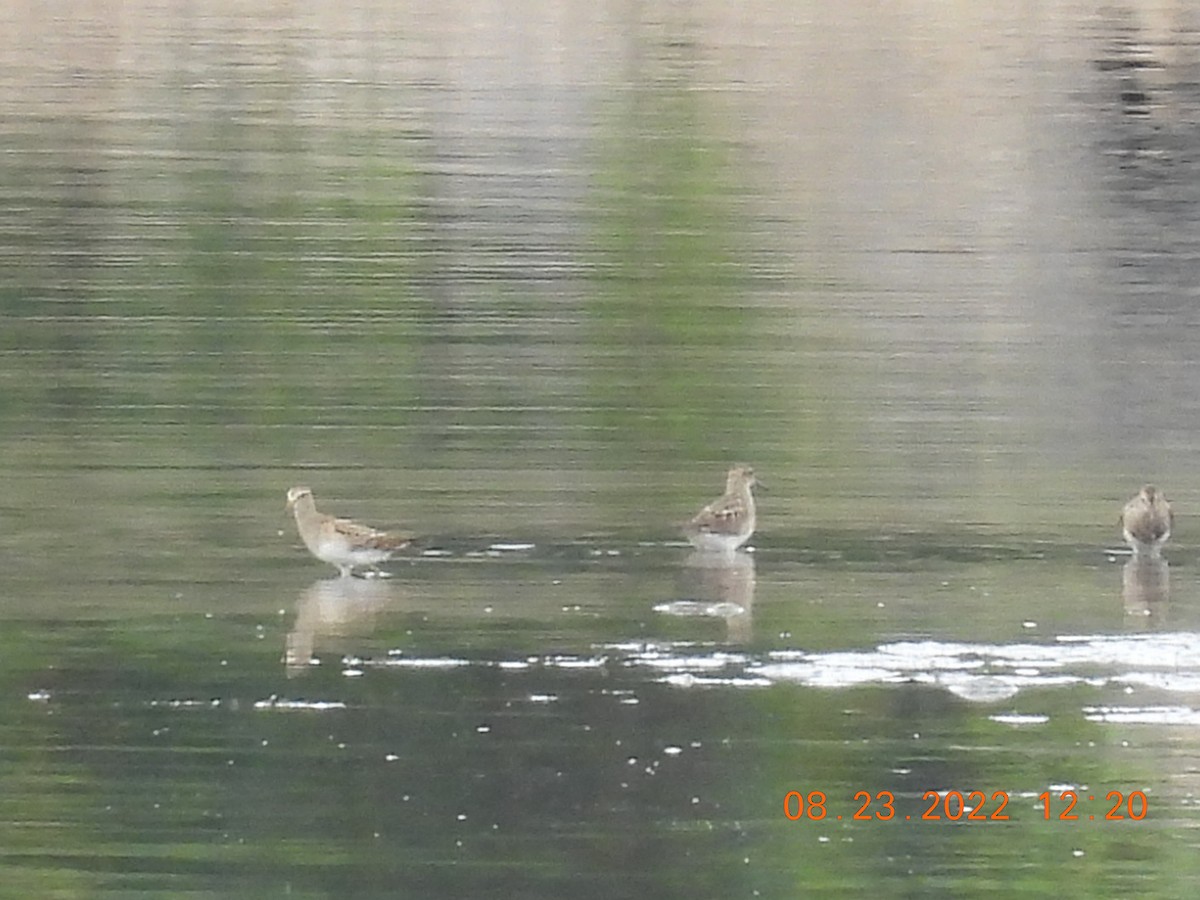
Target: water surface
[526,280]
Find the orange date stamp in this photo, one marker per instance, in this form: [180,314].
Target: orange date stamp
[968,806]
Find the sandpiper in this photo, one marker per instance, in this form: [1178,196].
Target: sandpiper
[727,522]
[1146,521]
[340,542]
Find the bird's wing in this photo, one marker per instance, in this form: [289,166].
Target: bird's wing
[370,537]
[720,515]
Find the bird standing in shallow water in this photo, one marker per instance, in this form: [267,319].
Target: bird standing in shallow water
[727,522]
[1146,521]
[340,542]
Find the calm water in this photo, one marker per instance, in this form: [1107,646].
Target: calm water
[525,278]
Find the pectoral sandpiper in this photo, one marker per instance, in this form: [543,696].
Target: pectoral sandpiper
[1146,521]
[727,522]
[340,542]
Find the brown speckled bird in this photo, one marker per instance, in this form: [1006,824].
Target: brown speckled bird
[727,522]
[340,542]
[1146,521]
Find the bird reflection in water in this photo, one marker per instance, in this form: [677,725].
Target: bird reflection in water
[1146,588]
[718,585]
[335,607]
